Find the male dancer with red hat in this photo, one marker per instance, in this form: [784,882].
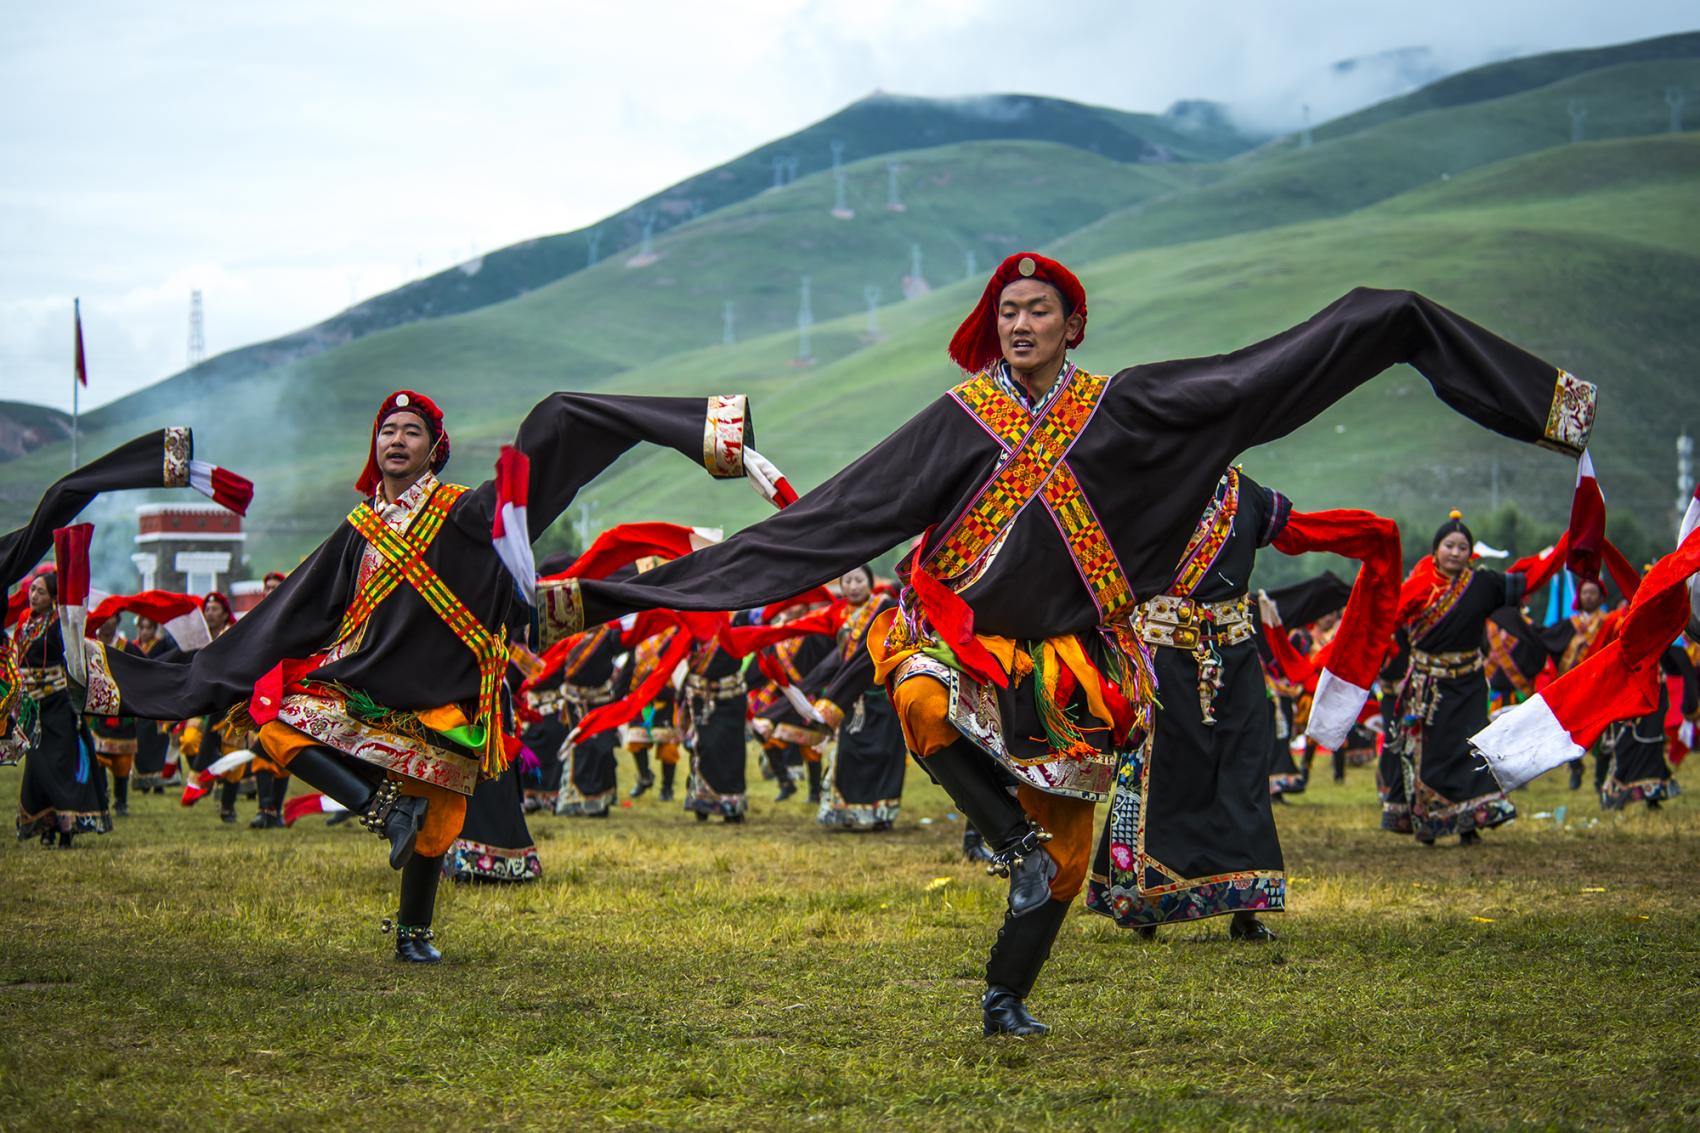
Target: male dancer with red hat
[374,670]
[1050,502]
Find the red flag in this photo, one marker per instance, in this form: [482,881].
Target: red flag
[81,362]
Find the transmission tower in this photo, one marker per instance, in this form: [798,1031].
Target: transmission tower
[592,241]
[1578,115]
[872,295]
[1674,98]
[970,267]
[1304,132]
[728,323]
[892,200]
[197,331]
[805,320]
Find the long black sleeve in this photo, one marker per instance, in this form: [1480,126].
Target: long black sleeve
[1269,389]
[296,620]
[159,459]
[571,438]
[906,483]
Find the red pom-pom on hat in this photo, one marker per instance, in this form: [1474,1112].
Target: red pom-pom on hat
[975,344]
[403,401]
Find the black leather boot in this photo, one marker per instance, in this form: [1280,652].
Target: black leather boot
[413,935]
[280,790]
[382,810]
[264,782]
[1339,767]
[227,802]
[645,777]
[1245,926]
[1022,947]
[121,795]
[971,779]
[668,771]
[1576,774]
[813,767]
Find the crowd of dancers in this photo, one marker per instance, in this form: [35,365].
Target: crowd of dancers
[1074,623]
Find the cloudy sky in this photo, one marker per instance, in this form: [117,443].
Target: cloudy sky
[287,159]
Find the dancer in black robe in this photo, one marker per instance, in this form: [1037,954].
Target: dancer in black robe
[1637,771]
[589,771]
[862,784]
[714,733]
[1058,500]
[153,737]
[380,655]
[61,794]
[1444,609]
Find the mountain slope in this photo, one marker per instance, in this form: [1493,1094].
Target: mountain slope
[1512,76]
[1359,169]
[874,126]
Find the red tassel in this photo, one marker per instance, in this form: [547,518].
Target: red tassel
[232,491]
[71,556]
[953,621]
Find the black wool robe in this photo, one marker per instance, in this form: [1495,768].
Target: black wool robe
[589,771]
[1191,833]
[714,705]
[408,659]
[1147,462]
[862,785]
[1446,785]
[1638,771]
[63,788]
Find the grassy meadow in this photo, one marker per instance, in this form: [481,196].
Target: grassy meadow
[670,974]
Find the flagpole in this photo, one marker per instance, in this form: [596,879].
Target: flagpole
[76,379]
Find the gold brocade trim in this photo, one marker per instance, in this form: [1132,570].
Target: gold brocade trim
[723,436]
[325,720]
[1570,419]
[103,697]
[179,447]
[831,715]
[560,610]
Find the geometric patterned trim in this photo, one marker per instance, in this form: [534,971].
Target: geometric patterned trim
[1034,465]
[179,447]
[1570,419]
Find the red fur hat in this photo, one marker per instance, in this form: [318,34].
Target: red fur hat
[403,401]
[975,344]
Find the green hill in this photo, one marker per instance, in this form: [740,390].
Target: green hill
[876,126]
[1513,76]
[1358,169]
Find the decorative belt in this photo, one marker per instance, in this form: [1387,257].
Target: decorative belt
[1203,628]
[545,703]
[1443,665]
[40,683]
[580,697]
[1182,623]
[714,691]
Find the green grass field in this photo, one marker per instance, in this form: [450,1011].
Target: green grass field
[669,974]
